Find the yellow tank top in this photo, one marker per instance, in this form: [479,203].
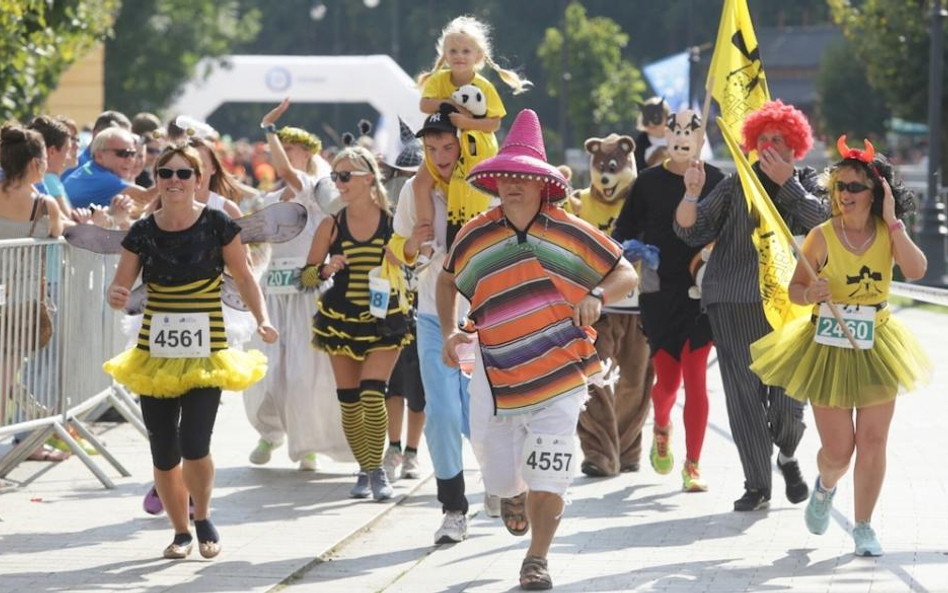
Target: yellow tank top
[595,212]
[858,279]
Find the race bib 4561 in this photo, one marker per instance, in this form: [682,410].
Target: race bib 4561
[180,335]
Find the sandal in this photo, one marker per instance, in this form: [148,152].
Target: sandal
[534,575]
[513,511]
[47,453]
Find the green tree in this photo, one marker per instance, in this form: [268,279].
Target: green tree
[158,43]
[600,86]
[38,41]
[891,37]
[847,104]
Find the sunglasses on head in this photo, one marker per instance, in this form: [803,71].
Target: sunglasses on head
[183,174]
[123,153]
[853,187]
[345,176]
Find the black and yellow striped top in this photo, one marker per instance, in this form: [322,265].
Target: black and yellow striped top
[352,282]
[202,296]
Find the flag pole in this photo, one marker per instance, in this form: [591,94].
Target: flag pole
[705,111]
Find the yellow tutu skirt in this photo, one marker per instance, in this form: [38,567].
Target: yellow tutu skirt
[229,369]
[840,377]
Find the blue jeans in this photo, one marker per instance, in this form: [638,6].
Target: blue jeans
[448,415]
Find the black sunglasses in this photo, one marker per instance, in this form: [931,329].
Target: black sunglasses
[853,187]
[345,176]
[124,153]
[183,174]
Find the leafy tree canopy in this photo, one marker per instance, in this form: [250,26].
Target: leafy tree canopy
[39,39]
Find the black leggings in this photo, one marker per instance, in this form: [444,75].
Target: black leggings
[190,438]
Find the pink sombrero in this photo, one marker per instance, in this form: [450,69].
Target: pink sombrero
[522,155]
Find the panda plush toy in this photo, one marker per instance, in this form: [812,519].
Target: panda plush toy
[471,98]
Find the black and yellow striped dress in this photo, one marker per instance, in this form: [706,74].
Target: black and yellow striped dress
[343,324]
[182,271]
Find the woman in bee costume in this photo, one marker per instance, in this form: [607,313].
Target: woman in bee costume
[181,360]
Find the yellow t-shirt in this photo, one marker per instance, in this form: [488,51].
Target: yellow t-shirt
[858,279]
[439,86]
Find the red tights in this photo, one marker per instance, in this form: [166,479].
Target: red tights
[669,373]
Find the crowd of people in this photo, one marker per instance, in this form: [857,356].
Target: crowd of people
[363,302]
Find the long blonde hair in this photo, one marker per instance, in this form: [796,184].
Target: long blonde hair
[363,160]
[479,33]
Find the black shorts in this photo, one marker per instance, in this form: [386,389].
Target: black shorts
[406,378]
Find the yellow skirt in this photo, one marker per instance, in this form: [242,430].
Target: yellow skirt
[229,369]
[840,377]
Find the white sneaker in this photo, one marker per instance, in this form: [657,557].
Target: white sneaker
[411,470]
[393,458]
[453,528]
[309,463]
[262,453]
[491,505]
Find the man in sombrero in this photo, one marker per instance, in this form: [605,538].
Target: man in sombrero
[537,279]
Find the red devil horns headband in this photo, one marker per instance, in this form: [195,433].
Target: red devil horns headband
[854,153]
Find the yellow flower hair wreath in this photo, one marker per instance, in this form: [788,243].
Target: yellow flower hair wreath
[291,135]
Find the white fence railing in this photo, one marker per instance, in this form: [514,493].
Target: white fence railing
[55,332]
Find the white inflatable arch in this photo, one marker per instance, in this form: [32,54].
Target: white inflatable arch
[376,80]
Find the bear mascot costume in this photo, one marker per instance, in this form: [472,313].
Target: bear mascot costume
[610,428]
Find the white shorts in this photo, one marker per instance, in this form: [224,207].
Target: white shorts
[498,440]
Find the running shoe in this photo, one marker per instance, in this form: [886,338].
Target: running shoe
[393,458]
[797,490]
[153,506]
[691,478]
[411,469]
[262,452]
[867,544]
[309,463]
[152,503]
[453,528]
[753,500]
[661,456]
[817,513]
[381,488]
[361,488]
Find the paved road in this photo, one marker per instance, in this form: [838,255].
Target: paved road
[287,530]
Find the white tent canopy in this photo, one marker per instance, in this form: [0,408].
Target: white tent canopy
[376,80]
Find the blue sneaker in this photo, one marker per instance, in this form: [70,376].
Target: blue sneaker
[818,509]
[361,488]
[866,542]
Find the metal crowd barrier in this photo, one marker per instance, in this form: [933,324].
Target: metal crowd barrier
[46,388]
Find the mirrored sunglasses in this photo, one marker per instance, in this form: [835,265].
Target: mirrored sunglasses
[345,176]
[853,187]
[183,174]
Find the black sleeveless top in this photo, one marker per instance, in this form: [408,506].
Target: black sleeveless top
[351,284]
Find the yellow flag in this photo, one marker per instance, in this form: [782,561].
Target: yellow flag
[736,72]
[772,239]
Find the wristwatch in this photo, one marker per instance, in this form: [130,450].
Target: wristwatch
[599,293]
[269,128]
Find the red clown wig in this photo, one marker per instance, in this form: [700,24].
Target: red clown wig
[786,119]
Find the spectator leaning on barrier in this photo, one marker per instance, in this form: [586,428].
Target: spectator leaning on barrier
[109,173]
